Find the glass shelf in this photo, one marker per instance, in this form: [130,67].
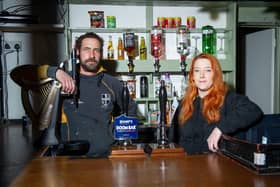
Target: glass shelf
[147,66]
[137,30]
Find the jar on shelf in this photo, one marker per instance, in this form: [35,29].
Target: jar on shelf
[111,22]
[208,39]
[96,19]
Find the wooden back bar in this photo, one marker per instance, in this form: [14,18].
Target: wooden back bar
[132,167]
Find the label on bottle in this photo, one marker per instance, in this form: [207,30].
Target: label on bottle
[207,32]
[131,85]
[168,85]
[143,53]
[129,41]
[120,54]
[110,54]
[259,159]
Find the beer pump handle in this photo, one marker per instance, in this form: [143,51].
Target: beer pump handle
[75,76]
[125,98]
[162,102]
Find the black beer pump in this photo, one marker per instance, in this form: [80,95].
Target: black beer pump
[125,98]
[162,138]
[125,101]
[75,76]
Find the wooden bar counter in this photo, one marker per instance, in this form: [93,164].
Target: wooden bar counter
[163,168]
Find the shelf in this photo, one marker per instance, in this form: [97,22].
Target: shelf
[147,66]
[214,5]
[22,27]
[109,30]
[137,30]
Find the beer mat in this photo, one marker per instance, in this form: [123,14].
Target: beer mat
[260,158]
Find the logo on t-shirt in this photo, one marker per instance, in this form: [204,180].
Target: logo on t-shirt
[105,100]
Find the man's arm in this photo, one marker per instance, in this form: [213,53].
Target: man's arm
[68,84]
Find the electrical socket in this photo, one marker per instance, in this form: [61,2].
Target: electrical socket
[12,45]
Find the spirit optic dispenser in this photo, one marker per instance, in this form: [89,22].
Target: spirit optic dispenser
[129,47]
[183,45]
[156,45]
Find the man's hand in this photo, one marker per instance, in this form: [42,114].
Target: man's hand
[68,84]
[213,139]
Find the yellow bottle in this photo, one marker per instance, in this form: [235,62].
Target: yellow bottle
[120,49]
[110,49]
[143,49]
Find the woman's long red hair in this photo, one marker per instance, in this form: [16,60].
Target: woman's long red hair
[213,101]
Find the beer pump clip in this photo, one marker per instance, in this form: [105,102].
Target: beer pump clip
[125,127]
[183,46]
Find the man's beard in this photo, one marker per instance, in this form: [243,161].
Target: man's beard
[91,67]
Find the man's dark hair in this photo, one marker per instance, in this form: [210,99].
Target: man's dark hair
[90,35]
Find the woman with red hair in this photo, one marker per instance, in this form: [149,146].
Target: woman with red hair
[209,109]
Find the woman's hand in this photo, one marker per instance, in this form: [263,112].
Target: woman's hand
[213,139]
[68,84]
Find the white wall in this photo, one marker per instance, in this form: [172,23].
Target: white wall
[259,68]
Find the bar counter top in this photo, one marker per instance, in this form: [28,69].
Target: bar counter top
[165,169]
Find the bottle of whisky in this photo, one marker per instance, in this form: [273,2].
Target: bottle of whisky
[143,49]
[120,49]
[110,49]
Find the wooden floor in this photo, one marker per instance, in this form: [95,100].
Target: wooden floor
[16,151]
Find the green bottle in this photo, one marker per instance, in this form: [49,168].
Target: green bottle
[208,39]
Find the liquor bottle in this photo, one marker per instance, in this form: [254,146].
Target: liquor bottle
[183,86]
[208,39]
[129,43]
[120,49]
[174,105]
[143,86]
[136,47]
[156,42]
[110,49]
[168,84]
[156,83]
[182,40]
[129,47]
[143,49]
